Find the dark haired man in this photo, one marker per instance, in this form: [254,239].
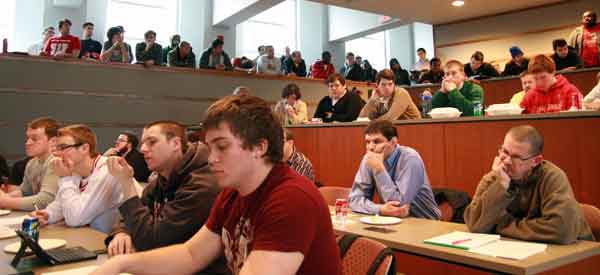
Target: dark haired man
[396,173]
[126,146]
[478,69]
[215,57]
[263,204]
[149,52]
[90,48]
[565,58]
[65,45]
[586,39]
[340,105]
[526,197]
[389,102]
[175,204]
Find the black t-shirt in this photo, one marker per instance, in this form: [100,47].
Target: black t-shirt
[4,172]
[90,48]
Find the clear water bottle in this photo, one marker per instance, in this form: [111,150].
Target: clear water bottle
[425,105]
[477,108]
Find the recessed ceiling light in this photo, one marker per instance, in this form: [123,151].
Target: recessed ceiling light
[458,3]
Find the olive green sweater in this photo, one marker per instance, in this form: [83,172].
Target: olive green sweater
[461,99]
[542,209]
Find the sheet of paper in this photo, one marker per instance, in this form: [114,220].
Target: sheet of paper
[463,240]
[510,249]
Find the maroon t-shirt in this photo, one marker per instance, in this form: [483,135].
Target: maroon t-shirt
[285,213]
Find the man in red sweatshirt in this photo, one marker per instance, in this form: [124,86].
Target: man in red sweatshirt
[553,93]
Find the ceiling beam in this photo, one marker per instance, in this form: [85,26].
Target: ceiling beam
[246,13]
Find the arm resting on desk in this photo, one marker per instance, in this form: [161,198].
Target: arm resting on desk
[488,206]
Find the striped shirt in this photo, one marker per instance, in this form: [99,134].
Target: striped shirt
[300,163]
[404,180]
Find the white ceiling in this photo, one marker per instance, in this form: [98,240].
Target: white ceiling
[437,11]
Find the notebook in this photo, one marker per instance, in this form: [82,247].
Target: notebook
[463,240]
[514,250]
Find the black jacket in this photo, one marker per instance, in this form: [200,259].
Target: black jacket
[512,68]
[402,77]
[172,211]
[345,110]
[204,60]
[571,60]
[290,67]
[486,70]
[354,72]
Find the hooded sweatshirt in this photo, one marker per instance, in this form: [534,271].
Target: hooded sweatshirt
[172,211]
[558,98]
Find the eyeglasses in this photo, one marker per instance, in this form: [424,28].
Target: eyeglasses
[121,140]
[62,147]
[514,158]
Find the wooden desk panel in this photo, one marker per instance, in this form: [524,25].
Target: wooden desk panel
[457,153]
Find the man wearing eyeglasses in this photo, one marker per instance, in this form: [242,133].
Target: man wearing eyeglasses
[87,193]
[526,197]
[126,147]
[39,184]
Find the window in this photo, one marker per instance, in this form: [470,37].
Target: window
[139,16]
[371,47]
[275,26]
[7,12]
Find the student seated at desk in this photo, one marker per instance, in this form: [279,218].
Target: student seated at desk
[267,220]
[39,183]
[527,83]
[388,101]
[396,173]
[176,202]
[340,105]
[526,197]
[455,91]
[87,193]
[552,93]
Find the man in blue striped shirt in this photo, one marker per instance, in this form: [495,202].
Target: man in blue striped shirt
[396,173]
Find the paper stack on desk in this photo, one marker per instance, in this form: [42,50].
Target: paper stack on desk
[488,244]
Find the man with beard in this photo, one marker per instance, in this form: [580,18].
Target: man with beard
[586,40]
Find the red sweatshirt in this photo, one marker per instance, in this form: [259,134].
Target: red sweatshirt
[558,98]
[322,70]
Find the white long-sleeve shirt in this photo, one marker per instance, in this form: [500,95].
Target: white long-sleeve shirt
[96,205]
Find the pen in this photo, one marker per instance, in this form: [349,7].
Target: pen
[460,241]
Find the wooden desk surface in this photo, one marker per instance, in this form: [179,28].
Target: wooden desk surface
[85,237]
[412,232]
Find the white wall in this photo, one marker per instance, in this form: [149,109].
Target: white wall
[29,24]
[345,22]
[53,14]
[401,45]
[312,38]
[423,38]
[513,27]
[96,13]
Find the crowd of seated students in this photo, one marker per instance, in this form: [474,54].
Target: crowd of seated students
[230,204]
[581,50]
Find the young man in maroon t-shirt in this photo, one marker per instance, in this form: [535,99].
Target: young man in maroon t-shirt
[267,220]
[65,45]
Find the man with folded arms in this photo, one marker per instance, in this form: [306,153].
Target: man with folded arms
[455,91]
[526,197]
[396,173]
[389,102]
[39,184]
[175,204]
[267,220]
[87,193]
